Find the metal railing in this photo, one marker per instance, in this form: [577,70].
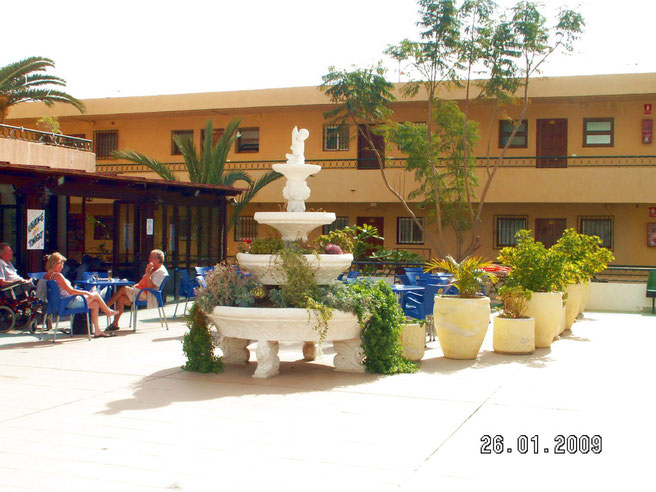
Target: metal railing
[551,162]
[48,138]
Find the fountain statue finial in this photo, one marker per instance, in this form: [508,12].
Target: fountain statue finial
[297,156]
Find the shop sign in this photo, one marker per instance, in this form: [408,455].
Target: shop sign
[36,229]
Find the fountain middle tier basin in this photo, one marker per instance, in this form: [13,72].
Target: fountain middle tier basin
[268,268]
[294,225]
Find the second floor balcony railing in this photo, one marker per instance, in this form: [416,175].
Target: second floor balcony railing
[47,138]
[572,161]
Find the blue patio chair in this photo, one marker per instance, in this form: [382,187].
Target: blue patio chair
[186,290]
[36,275]
[202,270]
[418,305]
[58,305]
[138,302]
[350,276]
[200,280]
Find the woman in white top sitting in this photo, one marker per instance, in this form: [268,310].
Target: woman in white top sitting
[152,279]
[54,265]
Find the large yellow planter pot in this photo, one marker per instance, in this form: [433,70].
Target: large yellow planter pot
[585,298]
[563,322]
[574,297]
[413,341]
[461,324]
[547,309]
[514,336]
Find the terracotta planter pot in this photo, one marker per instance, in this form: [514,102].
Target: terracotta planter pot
[547,309]
[574,297]
[413,340]
[514,336]
[461,324]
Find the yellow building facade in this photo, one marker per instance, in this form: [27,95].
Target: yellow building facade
[596,129]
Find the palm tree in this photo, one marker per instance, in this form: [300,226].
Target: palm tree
[208,166]
[23,81]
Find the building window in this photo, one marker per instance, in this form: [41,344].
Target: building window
[335,137]
[598,226]
[249,140]
[505,229]
[103,227]
[246,228]
[180,134]
[217,133]
[598,132]
[520,140]
[105,142]
[407,231]
[340,223]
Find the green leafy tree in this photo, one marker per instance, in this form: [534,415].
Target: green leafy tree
[492,55]
[208,166]
[25,81]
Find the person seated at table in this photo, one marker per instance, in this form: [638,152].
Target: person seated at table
[54,265]
[151,279]
[8,274]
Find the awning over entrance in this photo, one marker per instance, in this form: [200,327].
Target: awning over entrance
[187,219]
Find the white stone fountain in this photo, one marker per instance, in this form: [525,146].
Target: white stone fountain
[268,326]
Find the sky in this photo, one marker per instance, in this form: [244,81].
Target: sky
[143,47]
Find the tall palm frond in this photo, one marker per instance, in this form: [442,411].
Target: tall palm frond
[208,166]
[23,81]
[153,164]
[247,196]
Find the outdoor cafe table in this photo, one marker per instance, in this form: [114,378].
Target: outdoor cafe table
[114,283]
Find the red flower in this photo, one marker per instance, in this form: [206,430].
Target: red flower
[247,241]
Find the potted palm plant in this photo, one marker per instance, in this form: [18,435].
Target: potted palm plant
[461,321]
[514,332]
[539,270]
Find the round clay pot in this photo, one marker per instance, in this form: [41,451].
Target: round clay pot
[514,336]
[547,309]
[413,340]
[461,324]
[574,297]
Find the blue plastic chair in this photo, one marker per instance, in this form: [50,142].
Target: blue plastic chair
[143,303]
[186,290]
[56,304]
[203,270]
[36,275]
[350,277]
[200,280]
[418,305]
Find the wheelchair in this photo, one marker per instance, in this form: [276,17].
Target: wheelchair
[20,312]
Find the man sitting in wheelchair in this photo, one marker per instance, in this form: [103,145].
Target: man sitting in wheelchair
[10,281]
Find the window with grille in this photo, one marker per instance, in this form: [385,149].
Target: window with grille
[520,140]
[505,229]
[249,140]
[407,231]
[598,132]
[104,143]
[246,228]
[598,226]
[340,223]
[335,137]
[180,134]
[217,133]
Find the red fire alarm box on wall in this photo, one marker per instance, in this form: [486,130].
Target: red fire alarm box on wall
[646,131]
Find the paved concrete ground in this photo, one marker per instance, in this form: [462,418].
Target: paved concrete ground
[118,414]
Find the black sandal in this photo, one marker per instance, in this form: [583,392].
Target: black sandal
[112,327]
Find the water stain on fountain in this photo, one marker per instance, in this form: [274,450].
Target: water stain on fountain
[269,326]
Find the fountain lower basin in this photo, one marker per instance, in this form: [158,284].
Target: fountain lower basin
[268,326]
[268,268]
[295,225]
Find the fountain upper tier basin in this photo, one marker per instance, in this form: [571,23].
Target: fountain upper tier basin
[294,225]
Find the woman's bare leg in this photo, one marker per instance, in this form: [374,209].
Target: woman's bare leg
[95,297]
